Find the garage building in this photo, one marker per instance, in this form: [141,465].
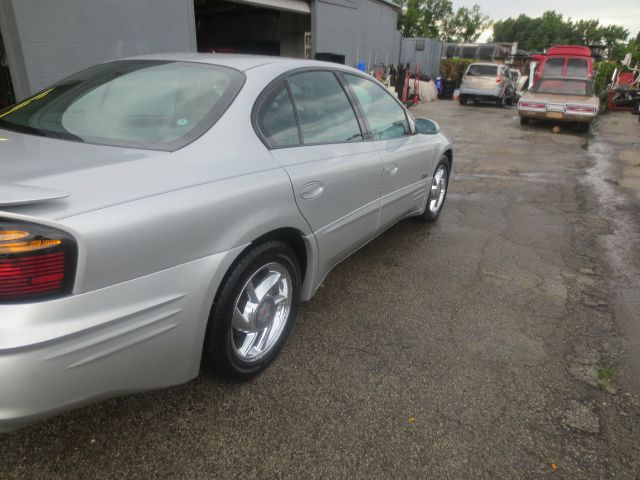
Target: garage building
[42,41]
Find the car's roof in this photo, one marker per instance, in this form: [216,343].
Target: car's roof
[487,63]
[238,61]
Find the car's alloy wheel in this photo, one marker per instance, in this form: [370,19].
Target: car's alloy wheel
[254,310]
[437,191]
[261,311]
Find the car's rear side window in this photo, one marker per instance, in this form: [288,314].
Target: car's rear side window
[160,105]
[276,119]
[476,70]
[577,67]
[324,111]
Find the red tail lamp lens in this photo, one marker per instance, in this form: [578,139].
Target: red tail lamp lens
[534,105]
[580,109]
[36,262]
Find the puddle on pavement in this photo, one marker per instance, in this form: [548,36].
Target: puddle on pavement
[620,247]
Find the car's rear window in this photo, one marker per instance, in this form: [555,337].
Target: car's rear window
[577,67]
[563,87]
[482,70]
[553,67]
[160,105]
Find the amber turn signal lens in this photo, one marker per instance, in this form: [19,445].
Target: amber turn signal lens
[28,246]
[9,235]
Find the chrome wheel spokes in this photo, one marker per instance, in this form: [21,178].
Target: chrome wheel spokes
[261,311]
[438,189]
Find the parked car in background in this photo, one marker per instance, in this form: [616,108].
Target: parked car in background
[487,82]
[169,211]
[561,99]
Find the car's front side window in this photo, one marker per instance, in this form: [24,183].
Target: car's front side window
[386,118]
[324,111]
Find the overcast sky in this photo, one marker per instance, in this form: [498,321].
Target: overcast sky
[620,12]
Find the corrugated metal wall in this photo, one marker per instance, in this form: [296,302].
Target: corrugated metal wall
[429,57]
[52,39]
[361,30]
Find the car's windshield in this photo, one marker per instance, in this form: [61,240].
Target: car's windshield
[476,70]
[161,105]
[563,86]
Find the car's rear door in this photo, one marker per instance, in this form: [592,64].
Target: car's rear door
[335,174]
[407,158]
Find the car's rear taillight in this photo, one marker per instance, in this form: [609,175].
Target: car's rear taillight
[580,109]
[36,262]
[532,105]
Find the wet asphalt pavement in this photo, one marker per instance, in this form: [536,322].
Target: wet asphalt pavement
[497,343]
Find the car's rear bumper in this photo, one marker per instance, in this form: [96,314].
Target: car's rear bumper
[142,334]
[481,92]
[556,116]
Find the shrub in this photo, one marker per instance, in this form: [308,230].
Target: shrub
[454,68]
[603,76]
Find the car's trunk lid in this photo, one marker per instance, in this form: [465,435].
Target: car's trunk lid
[57,178]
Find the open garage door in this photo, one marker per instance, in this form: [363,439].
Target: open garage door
[267,27]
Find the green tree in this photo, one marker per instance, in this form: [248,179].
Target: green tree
[466,25]
[537,34]
[424,18]
[437,19]
[613,35]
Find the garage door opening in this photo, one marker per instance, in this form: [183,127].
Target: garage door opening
[7,96]
[252,27]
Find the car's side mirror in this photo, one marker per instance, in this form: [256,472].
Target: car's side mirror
[426,127]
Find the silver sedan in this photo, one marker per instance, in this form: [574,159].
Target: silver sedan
[164,213]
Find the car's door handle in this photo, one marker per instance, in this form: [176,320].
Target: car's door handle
[311,190]
[392,170]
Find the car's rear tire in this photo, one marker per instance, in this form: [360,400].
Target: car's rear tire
[254,311]
[501,101]
[437,192]
[524,121]
[583,126]
[462,100]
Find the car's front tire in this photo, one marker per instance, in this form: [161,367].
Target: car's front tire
[254,310]
[437,191]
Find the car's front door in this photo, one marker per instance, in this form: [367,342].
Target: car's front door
[335,174]
[407,158]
